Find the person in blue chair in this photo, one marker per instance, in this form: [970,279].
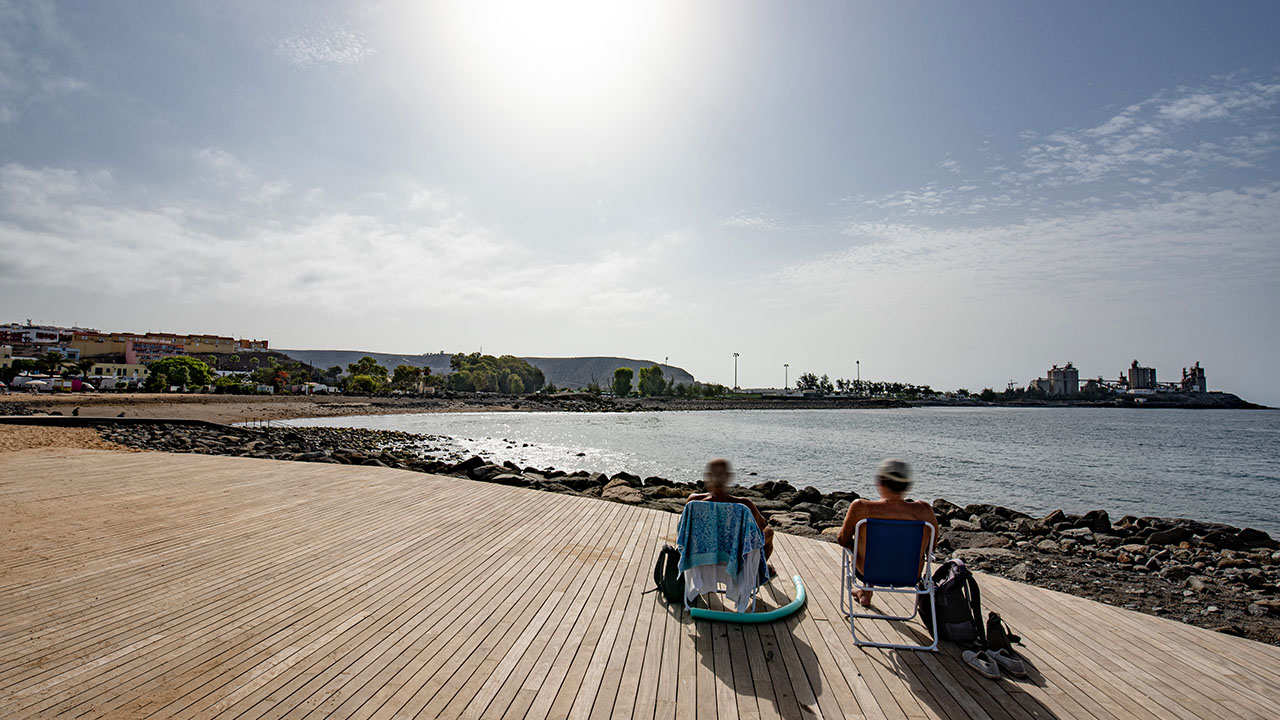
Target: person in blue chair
[718,477]
[893,480]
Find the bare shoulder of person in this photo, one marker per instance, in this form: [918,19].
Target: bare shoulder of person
[698,496]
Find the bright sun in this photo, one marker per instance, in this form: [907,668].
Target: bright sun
[554,62]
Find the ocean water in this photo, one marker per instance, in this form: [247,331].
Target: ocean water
[1218,465]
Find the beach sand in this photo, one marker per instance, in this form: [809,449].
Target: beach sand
[25,437]
[215,408]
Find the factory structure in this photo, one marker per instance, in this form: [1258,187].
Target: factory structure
[1136,380]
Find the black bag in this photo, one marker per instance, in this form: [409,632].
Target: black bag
[959,605]
[667,575]
[999,635]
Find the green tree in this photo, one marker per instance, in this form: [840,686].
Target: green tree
[84,367]
[486,373]
[362,384]
[17,367]
[622,381]
[408,378]
[181,370]
[651,381]
[367,366]
[987,395]
[515,385]
[157,382]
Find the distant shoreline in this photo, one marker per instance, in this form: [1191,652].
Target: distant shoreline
[253,408]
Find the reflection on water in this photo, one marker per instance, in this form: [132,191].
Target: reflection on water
[1219,465]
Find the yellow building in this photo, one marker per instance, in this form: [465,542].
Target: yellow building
[114,373]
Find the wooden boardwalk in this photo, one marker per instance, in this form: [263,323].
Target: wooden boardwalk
[184,586]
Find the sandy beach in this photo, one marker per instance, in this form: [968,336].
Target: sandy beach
[220,408]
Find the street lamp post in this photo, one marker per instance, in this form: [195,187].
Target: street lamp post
[735,371]
[786,378]
[859,364]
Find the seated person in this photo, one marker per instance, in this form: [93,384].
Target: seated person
[893,479]
[717,478]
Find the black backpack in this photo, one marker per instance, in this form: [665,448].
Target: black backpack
[959,605]
[667,575]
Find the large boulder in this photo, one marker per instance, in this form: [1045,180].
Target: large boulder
[632,480]
[795,523]
[1053,518]
[766,505]
[1250,539]
[973,555]
[946,509]
[621,491]
[484,472]
[819,513]
[465,467]
[1223,539]
[1096,520]
[961,539]
[809,494]
[1172,536]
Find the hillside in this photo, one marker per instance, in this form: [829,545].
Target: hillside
[563,372]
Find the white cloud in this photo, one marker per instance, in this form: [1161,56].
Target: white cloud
[753,220]
[305,256]
[27,77]
[333,46]
[1195,242]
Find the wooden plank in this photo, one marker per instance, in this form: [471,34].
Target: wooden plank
[196,586]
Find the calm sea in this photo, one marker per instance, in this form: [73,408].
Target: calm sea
[1208,465]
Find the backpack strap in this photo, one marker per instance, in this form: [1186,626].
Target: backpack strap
[975,608]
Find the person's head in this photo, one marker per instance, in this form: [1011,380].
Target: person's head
[893,478]
[717,475]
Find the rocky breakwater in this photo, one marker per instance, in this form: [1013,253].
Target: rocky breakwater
[1206,574]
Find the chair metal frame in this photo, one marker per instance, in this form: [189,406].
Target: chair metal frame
[850,582]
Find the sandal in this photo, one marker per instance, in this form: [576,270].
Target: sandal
[978,660]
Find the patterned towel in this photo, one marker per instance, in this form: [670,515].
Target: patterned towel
[715,533]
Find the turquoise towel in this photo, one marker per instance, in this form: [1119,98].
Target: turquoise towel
[715,533]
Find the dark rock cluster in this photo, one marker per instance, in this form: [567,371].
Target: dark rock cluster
[1207,574]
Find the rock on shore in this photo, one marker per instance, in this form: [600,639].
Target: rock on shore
[1207,574]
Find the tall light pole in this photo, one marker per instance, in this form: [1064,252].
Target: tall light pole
[786,378]
[859,364]
[735,371]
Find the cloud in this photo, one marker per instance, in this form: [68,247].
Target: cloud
[68,229]
[28,75]
[1195,244]
[1172,141]
[340,45]
[753,220]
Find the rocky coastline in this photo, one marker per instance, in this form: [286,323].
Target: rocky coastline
[1206,574]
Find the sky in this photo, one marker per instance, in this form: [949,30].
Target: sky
[952,194]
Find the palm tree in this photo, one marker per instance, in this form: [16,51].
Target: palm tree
[53,362]
[85,367]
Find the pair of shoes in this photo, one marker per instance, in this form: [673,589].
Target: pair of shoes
[1008,662]
[989,663]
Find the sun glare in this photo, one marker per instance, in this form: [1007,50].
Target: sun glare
[561,62]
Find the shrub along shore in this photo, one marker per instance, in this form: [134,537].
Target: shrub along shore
[1207,574]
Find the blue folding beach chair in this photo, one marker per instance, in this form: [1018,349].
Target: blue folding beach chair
[891,564]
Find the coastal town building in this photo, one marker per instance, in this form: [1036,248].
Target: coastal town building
[1063,380]
[108,375]
[119,347]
